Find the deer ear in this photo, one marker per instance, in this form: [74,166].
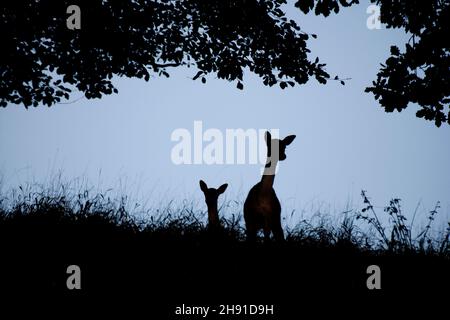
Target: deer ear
[288,140]
[203,186]
[222,188]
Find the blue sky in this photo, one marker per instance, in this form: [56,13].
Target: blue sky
[345,141]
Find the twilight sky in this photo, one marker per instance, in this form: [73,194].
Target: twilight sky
[345,141]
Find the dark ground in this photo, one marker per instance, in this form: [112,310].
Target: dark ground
[133,272]
[127,272]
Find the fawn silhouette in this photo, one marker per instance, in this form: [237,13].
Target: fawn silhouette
[262,209]
[211,197]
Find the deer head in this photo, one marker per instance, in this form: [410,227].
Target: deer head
[276,148]
[211,197]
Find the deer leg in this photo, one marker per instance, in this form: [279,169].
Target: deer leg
[278,233]
[266,230]
[266,235]
[251,234]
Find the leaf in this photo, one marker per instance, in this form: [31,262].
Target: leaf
[203,80]
[240,86]
[197,75]
[321,80]
[395,51]
[343,83]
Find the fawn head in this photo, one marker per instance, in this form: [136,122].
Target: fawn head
[277,144]
[212,194]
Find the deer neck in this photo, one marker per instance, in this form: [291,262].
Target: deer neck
[268,177]
[213,214]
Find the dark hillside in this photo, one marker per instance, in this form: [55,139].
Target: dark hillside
[164,264]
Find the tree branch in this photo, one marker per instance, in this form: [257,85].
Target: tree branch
[164,65]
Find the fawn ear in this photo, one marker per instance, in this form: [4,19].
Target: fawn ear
[222,188]
[203,186]
[268,137]
[288,140]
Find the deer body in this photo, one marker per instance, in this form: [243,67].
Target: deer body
[262,209]
[211,197]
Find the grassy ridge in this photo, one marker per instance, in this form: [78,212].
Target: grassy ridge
[48,210]
[173,258]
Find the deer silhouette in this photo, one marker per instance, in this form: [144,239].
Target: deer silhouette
[262,209]
[211,197]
